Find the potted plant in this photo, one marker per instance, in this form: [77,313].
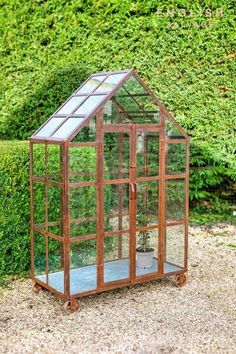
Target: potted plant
[144,253]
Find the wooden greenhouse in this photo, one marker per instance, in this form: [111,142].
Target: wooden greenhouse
[109,190]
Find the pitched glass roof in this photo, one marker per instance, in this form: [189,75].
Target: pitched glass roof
[125,88]
[83,102]
[50,127]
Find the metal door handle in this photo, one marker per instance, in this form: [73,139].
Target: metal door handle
[133,187]
[135,190]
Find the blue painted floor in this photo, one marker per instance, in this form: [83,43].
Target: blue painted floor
[85,278]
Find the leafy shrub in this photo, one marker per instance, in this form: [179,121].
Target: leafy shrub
[212,186]
[14,208]
[189,66]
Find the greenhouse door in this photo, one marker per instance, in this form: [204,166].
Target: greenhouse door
[145,200]
[131,181]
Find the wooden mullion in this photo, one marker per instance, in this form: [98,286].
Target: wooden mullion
[66,220]
[120,187]
[161,206]
[100,201]
[186,208]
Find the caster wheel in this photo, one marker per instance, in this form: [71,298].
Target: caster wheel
[36,288]
[71,306]
[180,280]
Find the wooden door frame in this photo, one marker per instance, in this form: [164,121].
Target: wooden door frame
[132,130]
[147,128]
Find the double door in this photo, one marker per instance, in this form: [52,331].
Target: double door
[131,199]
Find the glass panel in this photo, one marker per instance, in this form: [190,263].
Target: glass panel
[174,247]
[175,200]
[55,264]
[83,259]
[54,162]
[147,149]
[91,84]
[146,252]
[39,254]
[39,205]
[39,160]
[136,102]
[132,112]
[83,220]
[110,82]
[69,107]
[147,203]
[111,114]
[148,105]
[68,127]
[116,155]
[83,164]
[116,257]
[49,127]
[116,205]
[87,133]
[55,217]
[134,87]
[172,132]
[175,158]
[127,102]
[143,118]
[90,104]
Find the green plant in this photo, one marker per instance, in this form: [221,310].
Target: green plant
[144,236]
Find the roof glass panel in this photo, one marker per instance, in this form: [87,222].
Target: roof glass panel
[134,87]
[90,104]
[87,133]
[137,103]
[110,82]
[71,105]
[49,128]
[91,84]
[67,128]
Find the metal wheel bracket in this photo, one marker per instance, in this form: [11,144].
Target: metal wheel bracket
[71,306]
[180,280]
[36,288]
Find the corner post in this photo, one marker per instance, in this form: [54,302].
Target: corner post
[100,200]
[162,204]
[66,217]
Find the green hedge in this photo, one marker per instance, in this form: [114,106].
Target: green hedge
[52,46]
[14,208]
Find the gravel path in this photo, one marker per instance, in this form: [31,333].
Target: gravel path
[155,317]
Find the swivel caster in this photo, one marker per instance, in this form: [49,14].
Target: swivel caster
[180,280]
[71,306]
[36,288]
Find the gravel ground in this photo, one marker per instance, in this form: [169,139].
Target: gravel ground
[155,317]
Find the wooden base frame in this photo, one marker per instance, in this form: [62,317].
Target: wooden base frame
[72,305]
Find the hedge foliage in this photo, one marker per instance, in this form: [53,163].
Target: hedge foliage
[14,208]
[49,47]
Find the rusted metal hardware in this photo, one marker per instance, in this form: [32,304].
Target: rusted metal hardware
[180,280]
[71,305]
